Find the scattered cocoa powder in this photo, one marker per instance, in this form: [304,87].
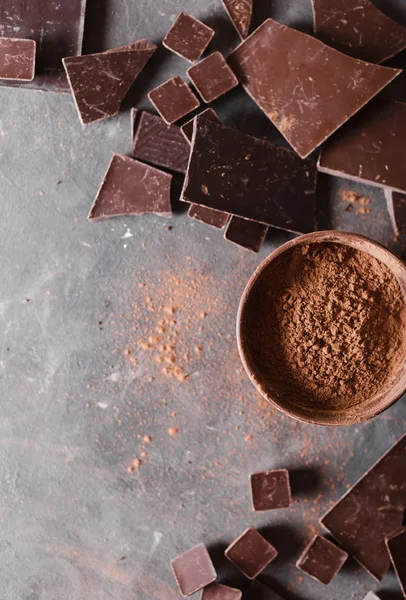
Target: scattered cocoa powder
[134,465]
[172,431]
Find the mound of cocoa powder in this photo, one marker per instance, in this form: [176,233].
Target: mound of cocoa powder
[328,325]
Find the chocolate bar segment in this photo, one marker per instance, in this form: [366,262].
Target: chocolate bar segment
[247,234]
[307,89]
[193,570]
[212,77]
[322,560]
[17,59]
[251,553]
[396,203]
[130,187]
[187,128]
[188,37]
[396,544]
[214,218]
[372,509]
[270,489]
[240,13]
[216,591]
[173,99]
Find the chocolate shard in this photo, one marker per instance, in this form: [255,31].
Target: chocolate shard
[214,218]
[371,147]
[17,59]
[298,82]
[251,553]
[99,82]
[372,509]
[130,187]
[212,77]
[396,203]
[188,37]
[187,128]
[160,144]
[362,31]
[259,591]
[193,570]
[247,234]
[240,13]
[270,490]
[249,178]
[216,591]
[396,544]
[173,99]
[322,560]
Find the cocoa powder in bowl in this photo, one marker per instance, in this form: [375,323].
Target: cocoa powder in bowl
[325,326]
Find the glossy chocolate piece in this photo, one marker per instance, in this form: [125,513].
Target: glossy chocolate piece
[247,234]
[17,59]
[270,489]
[216,591]
[371,148]
[214,218]
[307,89]
[396,544]
[193,570]
[259,591]
[396,203]
[173,99]
[322,560]
[240,13]
[372,509]
[99,82]
[187,128]
[251,553]
[359,29]
[188,37]
[160,144]
[247,177]
[212,77]
[130,187]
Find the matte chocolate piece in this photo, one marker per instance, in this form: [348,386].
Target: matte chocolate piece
[270,490]
[360,29]
[57,28]
[247,177]
[322,560]
[247,234]
[193,570]
[212,217]
[99,82]
[188,37]
[130,187]
[251,553]
[240,13]
[187,128]
[17,59]
[173,99]
[215,591]
[259,591]
[371,148]
[212,77]
[307,89]
[396,203]
[372,509]
[160,144]
[396,544]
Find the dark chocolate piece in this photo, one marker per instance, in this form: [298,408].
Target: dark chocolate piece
[396,544]
[130,187]
[240,13]
[371,148]
[173,99]
[251,553]
[17,59]
[57,29]
[307,89]
[99,82]
[212,77]
[212,217]
[372,509]
[258,591]
[247,177]
[160,144]
[187,128]
[270,490]
[188,37]
[216,591]
[322,560]
[193,570]
[360,29]
[396,203]
[245,233]
[135,114]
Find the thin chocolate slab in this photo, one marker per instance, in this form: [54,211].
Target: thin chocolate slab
[249,178]
[17,59]
[216,591]
[322,560]
[173,99]
[251,553]
[371,147]
[212,77]
[188,37]
[360,29]
[270,489]
[372,509]
[130,187]
[396,544]
[240,13]
[258,591]
[247,234]
[214,218]
[160,144]
[307,89]
[99,82]
[187,128]
[193,570]
[396,203]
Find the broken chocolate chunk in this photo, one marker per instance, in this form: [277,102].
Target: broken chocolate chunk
[173,99]
[251,553]
[188,37]
[216,591]
[270,489]
[212,77]
[396,203]
[240,13]
[17,59]
[214,218]
[193,570]
[187,128]
[247,234]
[396,544]
[322,560]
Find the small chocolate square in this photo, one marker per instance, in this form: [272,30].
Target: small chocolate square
[396,544]
[193,570]
[270,489]
[251,553]
[17,58]
[188,37]
[216,591]
[249,235]
[173,99]
[322,560]
[187,128]
[212,77]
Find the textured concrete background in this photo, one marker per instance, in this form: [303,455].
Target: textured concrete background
[86,312]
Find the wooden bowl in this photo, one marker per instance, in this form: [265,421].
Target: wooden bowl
[316,415]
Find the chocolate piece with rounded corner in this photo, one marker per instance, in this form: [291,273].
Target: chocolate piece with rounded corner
[188,37]
[173,99]
[322,560]
[251,553]
[270,490]
[216,591]
[396,545]
[193,570]
[240,13]
[245,233]
[187,128]
[17,59]
[212,77]
[214,218]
